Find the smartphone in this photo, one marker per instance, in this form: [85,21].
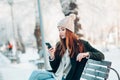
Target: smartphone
[48,45]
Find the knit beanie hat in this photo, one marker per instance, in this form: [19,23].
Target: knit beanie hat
[68,22]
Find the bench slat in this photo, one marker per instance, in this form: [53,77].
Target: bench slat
[105,63]
[84,76]
[100,74]
[99,68]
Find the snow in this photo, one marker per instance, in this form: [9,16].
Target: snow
[23,70]
[113,55]
[4,60]
[31,54]
[15,73]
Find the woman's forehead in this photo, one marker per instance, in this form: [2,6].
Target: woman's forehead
[61,27]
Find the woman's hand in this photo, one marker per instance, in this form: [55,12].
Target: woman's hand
[51,51]
[80,56]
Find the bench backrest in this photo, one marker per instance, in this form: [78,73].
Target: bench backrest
[96,70]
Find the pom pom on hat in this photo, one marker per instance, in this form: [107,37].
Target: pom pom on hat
[68,22]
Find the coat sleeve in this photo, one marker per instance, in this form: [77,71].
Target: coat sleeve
[94,53]
[55,63]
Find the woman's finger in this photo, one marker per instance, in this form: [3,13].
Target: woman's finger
[80,57]
[50,49]
[77,57]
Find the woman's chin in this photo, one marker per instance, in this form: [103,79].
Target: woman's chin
[63,37]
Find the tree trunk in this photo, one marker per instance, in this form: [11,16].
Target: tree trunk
[37,34]
[19,42]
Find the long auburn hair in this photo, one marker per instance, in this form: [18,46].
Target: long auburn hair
[70,43]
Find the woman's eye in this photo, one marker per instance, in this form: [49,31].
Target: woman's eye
[63,29]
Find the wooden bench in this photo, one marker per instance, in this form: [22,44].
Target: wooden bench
[97,70]
[40,64]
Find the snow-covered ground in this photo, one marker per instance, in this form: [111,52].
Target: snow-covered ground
[31,54]
[4,60]
[23,70]
[113,55]
[19,71]
[16,72]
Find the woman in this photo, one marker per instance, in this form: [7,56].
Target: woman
[69,57]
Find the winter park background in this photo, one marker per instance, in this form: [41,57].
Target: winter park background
[99,19]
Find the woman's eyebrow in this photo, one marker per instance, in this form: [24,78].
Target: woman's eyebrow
[62,28]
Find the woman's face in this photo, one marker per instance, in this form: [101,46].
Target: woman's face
[62,32]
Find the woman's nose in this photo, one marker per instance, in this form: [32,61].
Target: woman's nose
[60,32]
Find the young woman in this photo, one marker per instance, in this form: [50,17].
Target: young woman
[69,57]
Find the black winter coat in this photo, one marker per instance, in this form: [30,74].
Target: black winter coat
[77,67]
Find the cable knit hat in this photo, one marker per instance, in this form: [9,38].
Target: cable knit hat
[68,22]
